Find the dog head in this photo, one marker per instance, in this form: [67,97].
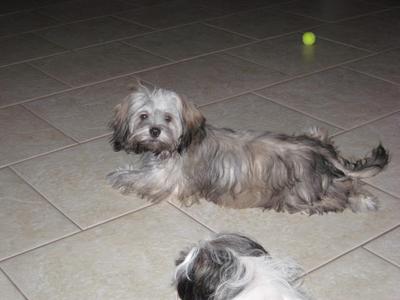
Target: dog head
[155,120]
[212,269]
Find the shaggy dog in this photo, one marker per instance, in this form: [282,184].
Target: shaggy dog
[184,157]
[233,267]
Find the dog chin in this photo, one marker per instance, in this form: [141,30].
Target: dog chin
[154,146]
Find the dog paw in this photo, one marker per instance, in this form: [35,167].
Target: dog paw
[119,180]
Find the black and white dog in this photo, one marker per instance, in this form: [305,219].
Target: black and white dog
[234,267]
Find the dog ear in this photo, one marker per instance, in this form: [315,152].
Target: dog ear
[193,125]
[120,125]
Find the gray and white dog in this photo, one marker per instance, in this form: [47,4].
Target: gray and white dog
[234,267]
[184,157]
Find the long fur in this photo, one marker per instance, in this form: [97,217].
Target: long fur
[232,266]
[191,159]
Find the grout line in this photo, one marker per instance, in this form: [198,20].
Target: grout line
[92,227]
[120,216]
[338,20]
[38,155]
[44,197]
[253,38]
[367,14]
[49,74]
[322,265]
[35,58]
[36,98]
[13,283]
[299,111]
[115,16]
[381,190]
[60,24]
[48,123]
[147,51]
[382,257]
[371,75]
[191,217]
[377,119]
[55,150]
[41,245]
[372,52]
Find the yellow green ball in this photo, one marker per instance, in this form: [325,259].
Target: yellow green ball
[309,38]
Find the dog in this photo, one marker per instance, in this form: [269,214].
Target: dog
[184,157]
[234,267]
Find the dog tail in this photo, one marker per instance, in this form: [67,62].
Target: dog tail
[365,167]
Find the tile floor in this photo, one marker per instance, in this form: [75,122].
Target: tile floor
[65,234]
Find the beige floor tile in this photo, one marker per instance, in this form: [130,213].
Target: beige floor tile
[331,96]
[84,9]
[310,240]
[209,78]
[332,10]
[23,21]
[75,181]
[288,55]
[23,135]
[373,32]
[256,113]
[8,290]
[387,246]
[130,258]
[360,141]
[169,14]
[187,41]
[84,113]
[22,82]
[26,219]
[357,275]
[91,32]
[24,47]
[97,63]
[264,22]
[383,65]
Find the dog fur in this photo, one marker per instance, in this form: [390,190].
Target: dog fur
[234,267]
[184,157]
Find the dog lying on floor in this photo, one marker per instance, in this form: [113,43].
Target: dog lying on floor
[233,267]
[184,157]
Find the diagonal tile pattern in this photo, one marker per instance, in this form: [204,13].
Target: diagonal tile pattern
[330,94]
[201,79]
[26,218]
[287,55]
[186,41]
[23,82]
[97,63]
[24,135]
[374,32]
[264,22]
[105,255]
[94,31]
[8,290]
[360,274]
[64,64]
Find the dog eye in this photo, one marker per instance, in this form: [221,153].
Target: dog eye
[168,119]
[143,116]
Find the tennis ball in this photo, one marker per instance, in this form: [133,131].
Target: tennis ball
[309,38]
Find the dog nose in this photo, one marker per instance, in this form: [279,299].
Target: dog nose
[155,131]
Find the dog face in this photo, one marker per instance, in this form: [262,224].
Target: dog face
[156,121]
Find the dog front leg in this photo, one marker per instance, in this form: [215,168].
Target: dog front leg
[148,183]
[127,180]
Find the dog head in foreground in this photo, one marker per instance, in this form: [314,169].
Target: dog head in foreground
[234,267]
